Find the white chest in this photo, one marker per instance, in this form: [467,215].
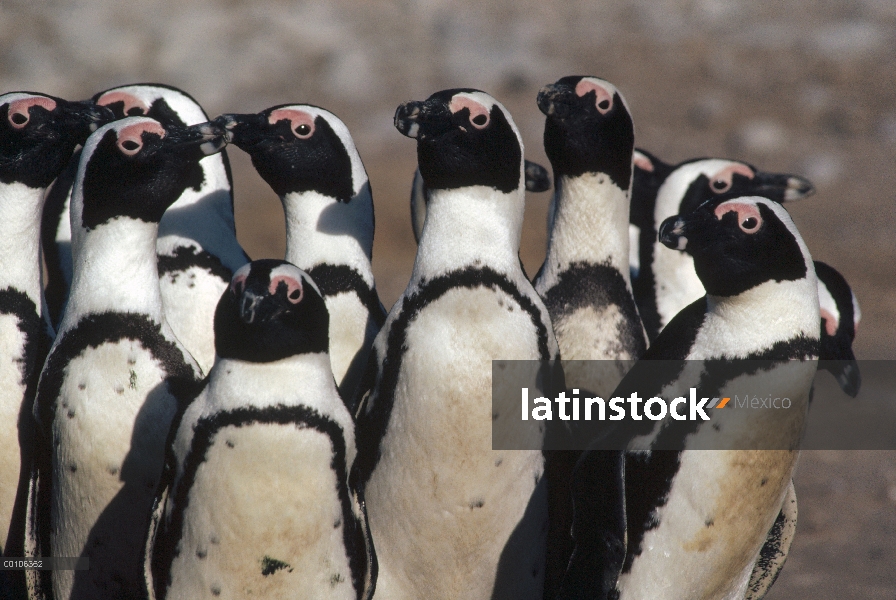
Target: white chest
[264,518]
[442,504]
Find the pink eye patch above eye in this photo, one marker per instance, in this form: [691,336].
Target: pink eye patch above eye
[294,291]
[130,102]
[604,100]
[134,135]
[748,217]
[722,181]
[479,114]
[20,107]
[296,118]
[830,323]
[238,283]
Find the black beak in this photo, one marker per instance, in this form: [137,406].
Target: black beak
[422,119]
[782,187]
[555,99]
[242,130]
[209,137]
[672,233]
[259,306]
[537,177]
[88,115]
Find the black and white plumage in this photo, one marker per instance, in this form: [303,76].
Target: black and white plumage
[116,375]
[666,281]
[697,520]
[537,180]
[257,496]
[584,281]
[197,246]
[307,155]
[37,136]
[451,518]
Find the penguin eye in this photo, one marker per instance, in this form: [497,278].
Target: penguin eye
[750,225]
[130,146]
[479,121]
[604,105]
[720,185]
[18,119]
[295,296]
[303,131]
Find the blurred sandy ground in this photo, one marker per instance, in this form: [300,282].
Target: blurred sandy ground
[807,87]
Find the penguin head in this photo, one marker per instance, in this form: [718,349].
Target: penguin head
[704,179]
[840,317]
[137,168]
[738,242]
[299,148]
[588,129]
[272,310]
[167,105]
[38,134]
[464,138]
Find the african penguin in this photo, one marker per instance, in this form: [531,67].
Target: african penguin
[451,518]
[116,375]
[258,497]
[37,136]
[584,281]
[697,520]
[537,180]
[666,281]
[307,155]
[197,246]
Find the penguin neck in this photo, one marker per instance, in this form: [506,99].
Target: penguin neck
[322,230]
[589,224]
[20,216]
[115,270]
[203,218]
[763,315]
[473,226]
[299,380]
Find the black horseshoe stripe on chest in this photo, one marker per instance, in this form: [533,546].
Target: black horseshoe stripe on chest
[338,279]
[185,257]
[600,285]
[655,471]
[372,427]
[17,303]
[91,332]
[204,434]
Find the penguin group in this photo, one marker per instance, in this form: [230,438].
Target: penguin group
[200,425]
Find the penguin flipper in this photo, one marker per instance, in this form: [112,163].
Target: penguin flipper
[155,519]
[599,526]
[774,552]
[34,581]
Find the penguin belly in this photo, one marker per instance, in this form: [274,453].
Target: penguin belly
[352,331]
[720,508]
[189,299]
[12,393]
[263,518]
[450,517]
[111,423]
